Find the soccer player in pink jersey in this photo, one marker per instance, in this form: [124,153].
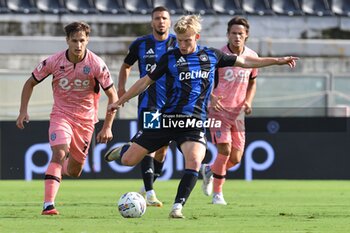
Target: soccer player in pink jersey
[77,75]
[231,99]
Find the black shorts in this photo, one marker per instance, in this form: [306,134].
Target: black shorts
[140,127]
[153,140]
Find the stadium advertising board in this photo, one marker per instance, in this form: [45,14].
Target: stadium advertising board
[279,148]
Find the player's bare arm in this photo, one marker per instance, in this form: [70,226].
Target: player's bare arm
[251,90]
[258,62]
[139,86]
[124,73]
[25,97]
[106,135]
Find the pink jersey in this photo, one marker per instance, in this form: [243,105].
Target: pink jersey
[76,87]
[233,83]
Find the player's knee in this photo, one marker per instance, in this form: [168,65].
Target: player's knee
[224,148]
[235,160]
[75,173]
[225,151]
[193,164]
[58,158]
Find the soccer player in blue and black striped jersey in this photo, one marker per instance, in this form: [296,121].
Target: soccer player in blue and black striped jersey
[190,71]
[147,50]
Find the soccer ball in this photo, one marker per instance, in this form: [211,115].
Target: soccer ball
[132,205]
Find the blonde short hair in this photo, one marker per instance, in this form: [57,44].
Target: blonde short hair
[186,22]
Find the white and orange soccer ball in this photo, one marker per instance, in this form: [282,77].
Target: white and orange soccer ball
[132,205]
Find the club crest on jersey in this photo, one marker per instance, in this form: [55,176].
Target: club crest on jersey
[218,134]
[203,57]
[53,136]
[86,69]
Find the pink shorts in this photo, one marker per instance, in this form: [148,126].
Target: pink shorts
[230,132]
[64,131]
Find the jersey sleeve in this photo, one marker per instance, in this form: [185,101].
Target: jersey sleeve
[160,68]
[103,75]
[43,70]
[132,55]
[224,59]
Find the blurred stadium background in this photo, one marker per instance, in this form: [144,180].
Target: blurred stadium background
[318,31]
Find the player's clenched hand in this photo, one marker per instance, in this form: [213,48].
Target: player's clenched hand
[23,117]
[291,61]
[104,136]
[247,108]
[112,108]
[215,102]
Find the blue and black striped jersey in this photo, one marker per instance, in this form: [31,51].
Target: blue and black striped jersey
[189,79]
[147,51]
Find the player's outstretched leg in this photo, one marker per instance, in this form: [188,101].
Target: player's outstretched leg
[116,153]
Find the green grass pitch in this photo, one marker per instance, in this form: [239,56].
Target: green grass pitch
[269,206]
